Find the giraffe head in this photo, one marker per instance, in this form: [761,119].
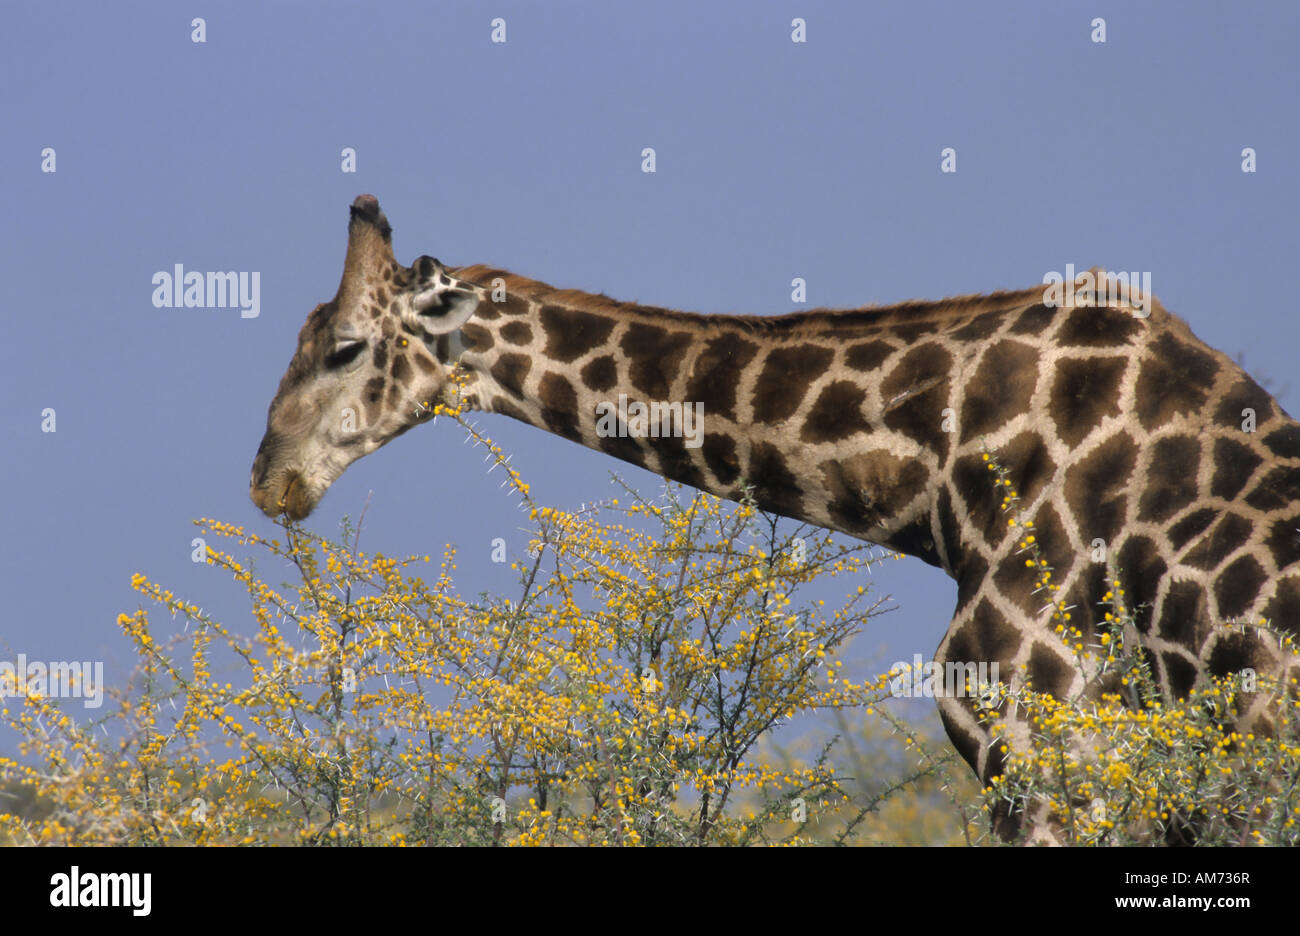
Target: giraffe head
[370,364]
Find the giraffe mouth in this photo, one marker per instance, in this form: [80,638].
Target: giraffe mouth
[283,502]
[296,501]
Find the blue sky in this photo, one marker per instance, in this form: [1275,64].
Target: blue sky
[774,160]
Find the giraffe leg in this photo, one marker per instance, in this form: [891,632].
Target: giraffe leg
[1030,824]
[966,730]
[968,711]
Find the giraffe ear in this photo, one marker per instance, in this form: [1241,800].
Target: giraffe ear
[440,303]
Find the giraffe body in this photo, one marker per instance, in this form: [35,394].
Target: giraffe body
[1124,434]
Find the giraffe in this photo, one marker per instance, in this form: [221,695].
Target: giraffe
[1116,425]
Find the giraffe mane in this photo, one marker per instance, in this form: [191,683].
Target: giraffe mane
[911,311]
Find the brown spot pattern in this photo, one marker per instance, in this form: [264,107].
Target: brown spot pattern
[510,371]
[868,355]
[1175,379]
[559,405]
[571,333]
[655,356]
[600,374]
[837,414]
[517,333]
[1097,487]
[1000,389]
[1085,391]
[716,375]
[784,380]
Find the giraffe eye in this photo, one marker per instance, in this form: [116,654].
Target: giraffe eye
[344,353]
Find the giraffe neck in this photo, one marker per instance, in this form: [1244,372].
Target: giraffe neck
[796,408]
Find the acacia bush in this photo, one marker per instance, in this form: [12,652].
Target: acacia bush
[632,691]
[618,697]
